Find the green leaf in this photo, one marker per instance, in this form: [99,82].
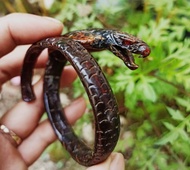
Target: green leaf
[184,102]
[184,135]
[188,127]
[169,126]
[130,87]
[168,138]
[147,90]
[150,93]
[176,114]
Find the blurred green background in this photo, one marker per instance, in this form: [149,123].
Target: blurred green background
[154,99]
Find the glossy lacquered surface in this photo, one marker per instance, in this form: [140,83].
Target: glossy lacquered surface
[75,47]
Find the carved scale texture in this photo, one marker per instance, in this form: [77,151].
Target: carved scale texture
[107,125]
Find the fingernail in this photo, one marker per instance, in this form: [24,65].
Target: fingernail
[15,81]
[117,161]
[78,100]
[54,20]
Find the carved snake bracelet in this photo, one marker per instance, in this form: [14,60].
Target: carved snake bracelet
[75,47]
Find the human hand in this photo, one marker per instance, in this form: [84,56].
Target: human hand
[24,118]
[114,162]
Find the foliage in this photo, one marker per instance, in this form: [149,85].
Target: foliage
[154,99]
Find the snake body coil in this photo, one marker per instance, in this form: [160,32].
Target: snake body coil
[73,47]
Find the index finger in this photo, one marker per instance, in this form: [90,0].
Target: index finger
[18,29]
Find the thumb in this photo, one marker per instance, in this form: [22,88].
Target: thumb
[113,162]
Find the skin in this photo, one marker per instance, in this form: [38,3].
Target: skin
[24,118]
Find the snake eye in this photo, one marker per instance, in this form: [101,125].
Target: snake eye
[144,50]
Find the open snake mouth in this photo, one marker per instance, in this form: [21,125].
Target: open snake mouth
[125,55]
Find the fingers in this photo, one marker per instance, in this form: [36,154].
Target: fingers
[11,69]
[68,76]
[114,161]
[24,117]
[102,166]
[117,161]
[10,157]
[11,64]
[17,29]
[33,146]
